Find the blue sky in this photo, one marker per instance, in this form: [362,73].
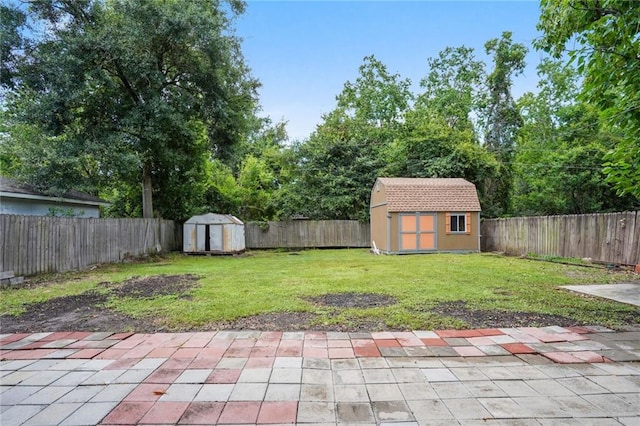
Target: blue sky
[304,51]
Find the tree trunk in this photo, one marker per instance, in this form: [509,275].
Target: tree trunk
[147,190]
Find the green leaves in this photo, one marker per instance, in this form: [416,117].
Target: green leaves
[607,54]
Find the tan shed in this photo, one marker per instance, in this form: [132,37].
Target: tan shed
[419,215]
[214,234]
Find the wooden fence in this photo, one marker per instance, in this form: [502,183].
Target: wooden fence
[609,237]
[307,234]
[38,244]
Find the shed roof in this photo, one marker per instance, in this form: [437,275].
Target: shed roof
[214,218]
[430,194]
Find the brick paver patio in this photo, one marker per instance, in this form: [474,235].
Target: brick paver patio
[550,375]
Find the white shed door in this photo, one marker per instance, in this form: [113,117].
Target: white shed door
[201,239]
[215,237]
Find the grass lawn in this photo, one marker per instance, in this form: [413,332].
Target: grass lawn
[428,291]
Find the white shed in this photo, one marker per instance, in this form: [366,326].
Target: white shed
[213,233]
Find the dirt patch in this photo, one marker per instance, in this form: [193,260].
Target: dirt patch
[277,321]
[82,312]
[353,300]
[86,311]
[158,285]
[478,318]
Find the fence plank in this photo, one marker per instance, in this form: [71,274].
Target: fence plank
[307,234]
[607,237]
[37,244]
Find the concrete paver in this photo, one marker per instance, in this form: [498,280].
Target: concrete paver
[549,375]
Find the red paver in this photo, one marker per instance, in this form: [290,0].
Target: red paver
[337,353]
[368,351]
[238,352]
[149,392]
[56,336]
[13,338]
[204,362]
[588,356]
[518,348]
[562,357]
[139,352]
[410,342]
[387,343]
[161,352]
[112,353]
[458,333]
[163,375]
[315,353]
[165,412]
[434,342]
[240,412]
[86,353]
[127,413]
[265,351]
[224,376]
[210,352]
[120,336]
[177,363]
[79,335]
[220,344]
[271,335]
[468,351]
[202,413]
[312,335]
[490,332]
[259,362]
[30,354]
[186,353]
[278,412]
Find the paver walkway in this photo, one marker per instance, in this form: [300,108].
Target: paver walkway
[550,375]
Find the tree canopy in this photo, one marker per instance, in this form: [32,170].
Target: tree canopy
[602,38]
[138,92]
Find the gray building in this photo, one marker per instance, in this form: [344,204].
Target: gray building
[21,199]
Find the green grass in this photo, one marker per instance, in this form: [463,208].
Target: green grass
[273,282]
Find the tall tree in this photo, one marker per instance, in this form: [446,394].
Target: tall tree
[602,38]
[158,84]
[350,148]
[451,87]
[501,118]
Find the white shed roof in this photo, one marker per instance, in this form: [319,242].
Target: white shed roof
[215,218]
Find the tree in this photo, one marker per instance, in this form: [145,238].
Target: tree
[501,118]
[561,148]
[601,37]
[451,87]
[341,160]
[158,85]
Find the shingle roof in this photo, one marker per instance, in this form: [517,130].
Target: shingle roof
[428,195]
[12,186]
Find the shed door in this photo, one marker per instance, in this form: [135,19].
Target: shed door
[215,237]
[417,231]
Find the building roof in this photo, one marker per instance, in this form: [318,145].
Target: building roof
[429,195]
[12,188]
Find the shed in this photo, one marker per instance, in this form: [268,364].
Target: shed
[420,215]
[213,233]
[23,199]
